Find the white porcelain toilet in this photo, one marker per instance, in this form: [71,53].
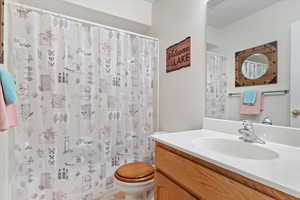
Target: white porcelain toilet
[135,179]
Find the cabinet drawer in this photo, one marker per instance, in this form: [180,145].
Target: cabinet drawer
[201,181]
[167,190]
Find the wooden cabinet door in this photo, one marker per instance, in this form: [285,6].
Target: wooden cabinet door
[165,189]
[204,183]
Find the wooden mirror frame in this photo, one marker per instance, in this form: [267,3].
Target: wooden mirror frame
[270,77]
[2,31]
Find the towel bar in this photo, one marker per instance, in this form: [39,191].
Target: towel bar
[267,93]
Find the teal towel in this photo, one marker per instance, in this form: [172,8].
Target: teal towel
[250,97]
[8,86]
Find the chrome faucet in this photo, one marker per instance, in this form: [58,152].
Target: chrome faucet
[267,121]
[248,133]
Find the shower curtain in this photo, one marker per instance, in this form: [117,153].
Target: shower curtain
[85,100]
[216,86]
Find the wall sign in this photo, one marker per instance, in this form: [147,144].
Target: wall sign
[179,55]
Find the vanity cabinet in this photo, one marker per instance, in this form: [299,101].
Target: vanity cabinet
[168,190]
[180,176]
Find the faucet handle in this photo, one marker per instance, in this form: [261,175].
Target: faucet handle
[267,121]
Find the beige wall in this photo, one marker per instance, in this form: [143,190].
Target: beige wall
[270,24]
[182,93]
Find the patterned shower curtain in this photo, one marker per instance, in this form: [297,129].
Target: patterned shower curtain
[216,86]
[85,100]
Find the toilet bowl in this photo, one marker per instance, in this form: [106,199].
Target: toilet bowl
[135,179]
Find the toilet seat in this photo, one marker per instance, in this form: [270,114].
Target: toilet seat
[135,172]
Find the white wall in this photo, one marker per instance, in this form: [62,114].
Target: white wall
[277,134]
[215,40]
[182,93]
[135,10]
[132,15]
[270,24]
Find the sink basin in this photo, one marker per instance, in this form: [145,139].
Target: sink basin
[235,148]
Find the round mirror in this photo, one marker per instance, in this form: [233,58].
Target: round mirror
[255,66]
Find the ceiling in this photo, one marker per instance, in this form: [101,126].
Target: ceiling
[224,12]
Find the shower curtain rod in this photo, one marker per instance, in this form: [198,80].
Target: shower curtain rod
[80,20]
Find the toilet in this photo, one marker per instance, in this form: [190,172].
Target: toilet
[135,179]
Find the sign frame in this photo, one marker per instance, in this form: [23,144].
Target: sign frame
[178,56]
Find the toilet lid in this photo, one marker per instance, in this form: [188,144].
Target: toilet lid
[135,172]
